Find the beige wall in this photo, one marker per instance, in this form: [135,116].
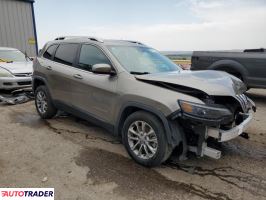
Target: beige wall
[16,26]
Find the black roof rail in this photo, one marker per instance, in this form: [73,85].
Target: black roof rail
[135,42]
[95,39]
[68,37]
[77,37]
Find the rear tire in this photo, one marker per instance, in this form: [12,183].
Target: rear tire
[144,138]
[43,103]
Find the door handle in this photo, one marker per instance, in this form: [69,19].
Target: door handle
[48,68]
[77,76]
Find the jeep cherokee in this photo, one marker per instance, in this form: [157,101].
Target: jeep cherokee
[135,92]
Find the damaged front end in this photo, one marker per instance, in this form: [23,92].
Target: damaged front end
[220,118]
[225,111]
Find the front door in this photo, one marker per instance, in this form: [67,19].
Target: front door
[93,93]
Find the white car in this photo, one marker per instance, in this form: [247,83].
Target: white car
[15,69]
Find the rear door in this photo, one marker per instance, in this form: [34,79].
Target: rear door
[93,93]
[46,61]
[61,72]
[256,67]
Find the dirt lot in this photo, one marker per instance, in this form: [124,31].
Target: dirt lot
[82,161]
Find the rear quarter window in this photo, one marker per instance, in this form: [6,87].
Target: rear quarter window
[66,53]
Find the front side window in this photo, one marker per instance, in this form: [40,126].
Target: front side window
[141,59]
[12,56]
[91,55]
[66,53]
[50,52]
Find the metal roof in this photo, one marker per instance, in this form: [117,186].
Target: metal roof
[95,39]
[92,40]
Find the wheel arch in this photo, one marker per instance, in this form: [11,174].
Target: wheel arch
[173,136]
[37,81]
[231,67]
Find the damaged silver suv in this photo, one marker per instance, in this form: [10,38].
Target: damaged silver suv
[136,93]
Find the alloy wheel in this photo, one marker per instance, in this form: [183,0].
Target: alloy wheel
[142,139]
[41,101]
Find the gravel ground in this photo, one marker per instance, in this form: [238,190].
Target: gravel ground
[82,161]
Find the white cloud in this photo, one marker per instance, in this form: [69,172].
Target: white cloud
[207,4]
[224,24]
[237,29]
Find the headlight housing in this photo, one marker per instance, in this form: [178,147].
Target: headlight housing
[212,112]
[5,73]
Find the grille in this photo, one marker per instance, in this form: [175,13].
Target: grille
[243,100]
[23,74]
[24,83]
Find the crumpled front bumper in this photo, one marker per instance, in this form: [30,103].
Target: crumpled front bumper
[226,135]
[198,130]
[221,135]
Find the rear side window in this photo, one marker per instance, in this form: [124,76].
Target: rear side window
[91,55]
[50,52]
[66,53]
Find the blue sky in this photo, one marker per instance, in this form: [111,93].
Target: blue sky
[165,25]
[116,12]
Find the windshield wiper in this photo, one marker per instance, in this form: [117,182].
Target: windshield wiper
[138,73]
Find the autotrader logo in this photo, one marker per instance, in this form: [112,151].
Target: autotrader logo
[26,193]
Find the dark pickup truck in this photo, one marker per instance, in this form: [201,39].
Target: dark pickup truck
[249,65]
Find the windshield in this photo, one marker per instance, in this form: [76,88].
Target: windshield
[12,56]
[137,59]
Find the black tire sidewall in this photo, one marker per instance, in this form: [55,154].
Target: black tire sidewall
[157,126]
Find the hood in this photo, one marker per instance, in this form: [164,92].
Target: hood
[17,67]
[214,83]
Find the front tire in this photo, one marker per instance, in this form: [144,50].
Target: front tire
[144,138]
[43,103]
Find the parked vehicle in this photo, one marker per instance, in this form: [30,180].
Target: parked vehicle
[249,66]
[136,93]
[15,69]
[181,58]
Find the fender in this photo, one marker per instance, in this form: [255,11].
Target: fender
[174,137]
[230,64]
[34,78]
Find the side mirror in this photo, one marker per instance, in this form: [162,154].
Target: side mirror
[102,69]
